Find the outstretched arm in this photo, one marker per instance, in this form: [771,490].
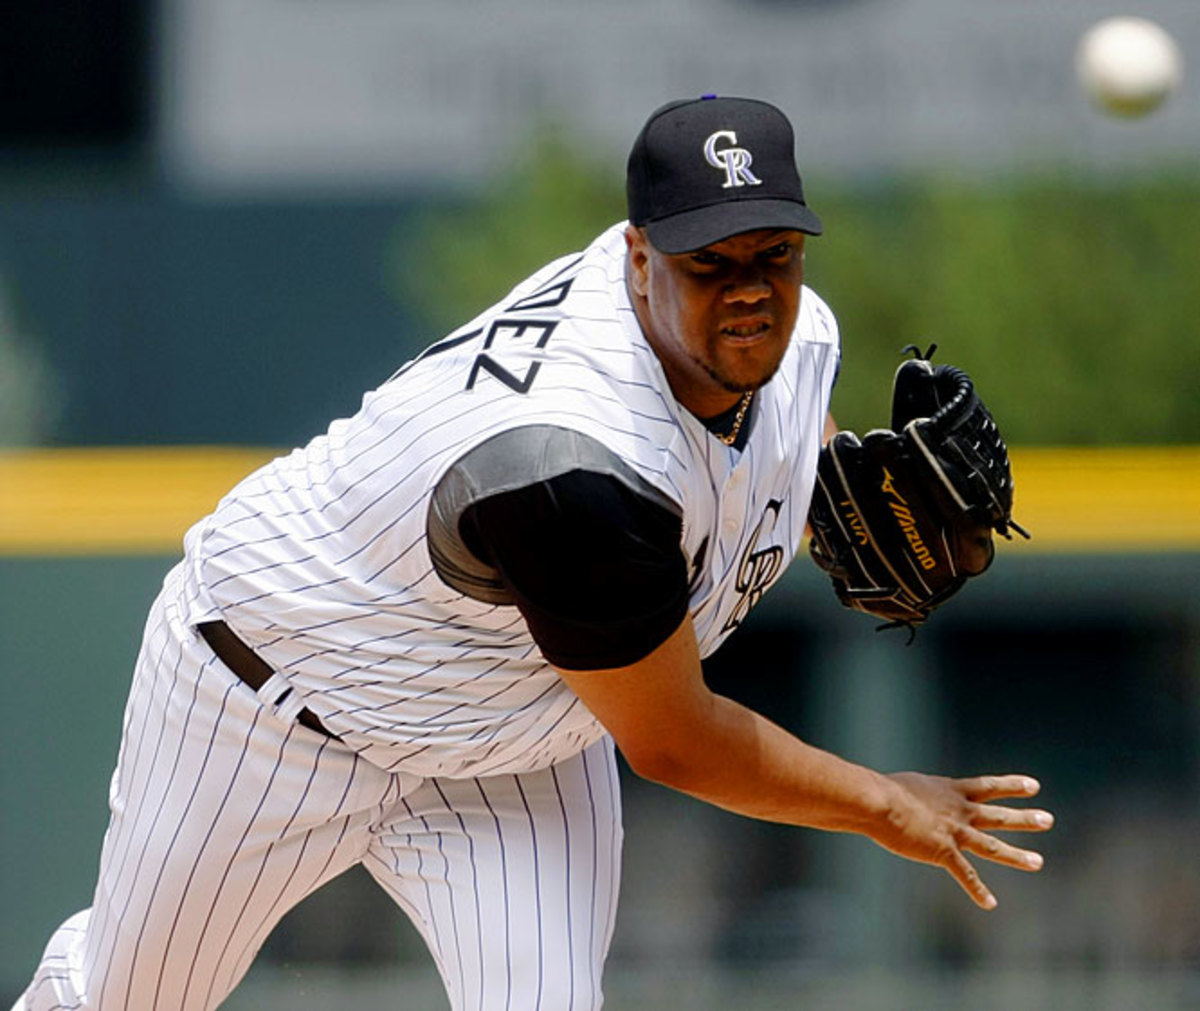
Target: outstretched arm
[673,730]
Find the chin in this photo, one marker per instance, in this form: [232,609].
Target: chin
[745,380]
[740,385]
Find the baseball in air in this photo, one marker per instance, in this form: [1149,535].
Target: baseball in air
[1128,65]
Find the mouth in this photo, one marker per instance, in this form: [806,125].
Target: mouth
[746,329]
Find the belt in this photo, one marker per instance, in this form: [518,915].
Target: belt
[249,667]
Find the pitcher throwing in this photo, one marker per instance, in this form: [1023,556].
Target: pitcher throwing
[413,643]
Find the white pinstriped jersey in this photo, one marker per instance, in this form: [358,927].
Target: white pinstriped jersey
[319,560]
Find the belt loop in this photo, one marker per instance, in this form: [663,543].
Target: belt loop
[282,699]
[271,687]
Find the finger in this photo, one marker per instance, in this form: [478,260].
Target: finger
[1011,819]
[960,868]
[984,788]
[998,851]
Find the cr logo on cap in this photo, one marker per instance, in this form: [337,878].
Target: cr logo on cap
[733,161]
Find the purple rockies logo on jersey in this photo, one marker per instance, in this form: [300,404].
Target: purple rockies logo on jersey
[758,567]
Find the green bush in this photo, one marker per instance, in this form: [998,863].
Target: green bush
[457,258]
[1073,304]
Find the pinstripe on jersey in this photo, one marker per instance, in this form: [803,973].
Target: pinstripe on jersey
[224,817]
[472,784]
[319,560]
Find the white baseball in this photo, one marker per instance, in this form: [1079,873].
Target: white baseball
[1128,65]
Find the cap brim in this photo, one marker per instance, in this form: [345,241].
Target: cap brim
[695,229]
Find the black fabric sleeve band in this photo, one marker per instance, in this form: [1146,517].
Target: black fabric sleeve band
[595,568]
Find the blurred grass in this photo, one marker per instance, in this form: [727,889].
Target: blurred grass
[1072,303]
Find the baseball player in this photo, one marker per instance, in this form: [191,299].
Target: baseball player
[414,643]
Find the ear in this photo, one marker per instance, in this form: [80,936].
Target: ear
[637,248]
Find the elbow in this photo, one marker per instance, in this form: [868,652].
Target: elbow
[660,764]
[686,752]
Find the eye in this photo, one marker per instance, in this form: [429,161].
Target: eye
[706,258]
[779,251]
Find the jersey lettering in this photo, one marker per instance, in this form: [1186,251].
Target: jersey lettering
[547,298]
[445,344]
[509,330]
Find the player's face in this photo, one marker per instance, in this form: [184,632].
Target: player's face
[719,318]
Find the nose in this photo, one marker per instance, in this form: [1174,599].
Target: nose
[749,292]
[749,288]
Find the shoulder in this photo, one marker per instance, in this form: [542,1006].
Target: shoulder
[537,489]
[530,454]
[575,300]
[816,322]
[595,269]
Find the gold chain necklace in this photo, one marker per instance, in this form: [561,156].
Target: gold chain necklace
[731,438]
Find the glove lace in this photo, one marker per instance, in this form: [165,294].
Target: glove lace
[897,623]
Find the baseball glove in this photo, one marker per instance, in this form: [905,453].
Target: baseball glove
[901,519]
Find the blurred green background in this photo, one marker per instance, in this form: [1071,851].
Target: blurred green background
[208,236]
[1074,306]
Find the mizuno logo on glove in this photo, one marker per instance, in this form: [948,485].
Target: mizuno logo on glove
[907,522]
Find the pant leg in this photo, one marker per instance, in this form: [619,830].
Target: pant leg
[512,880]
[223,817]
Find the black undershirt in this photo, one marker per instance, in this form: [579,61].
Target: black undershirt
[597,570]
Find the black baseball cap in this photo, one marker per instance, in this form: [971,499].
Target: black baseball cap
[704,169]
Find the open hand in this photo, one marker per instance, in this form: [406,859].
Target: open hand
[936,820]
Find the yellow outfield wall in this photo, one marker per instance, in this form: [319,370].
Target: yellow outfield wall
[140,501]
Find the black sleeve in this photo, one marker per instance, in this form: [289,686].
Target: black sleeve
[596,569]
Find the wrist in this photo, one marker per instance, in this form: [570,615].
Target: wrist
[884,807]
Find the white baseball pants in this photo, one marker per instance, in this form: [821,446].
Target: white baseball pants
[224,817]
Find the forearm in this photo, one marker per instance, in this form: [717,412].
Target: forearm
[740,761]
[675,731]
